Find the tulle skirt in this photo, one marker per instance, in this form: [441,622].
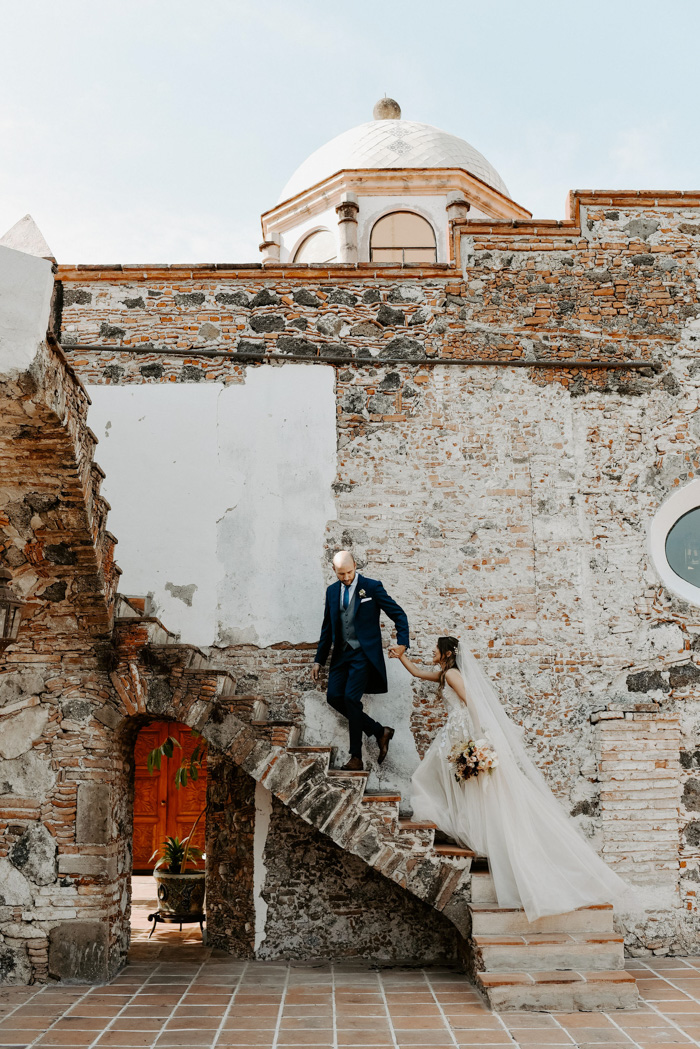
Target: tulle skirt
[537,857]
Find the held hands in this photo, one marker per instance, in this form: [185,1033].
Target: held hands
[315,672]
[396,651]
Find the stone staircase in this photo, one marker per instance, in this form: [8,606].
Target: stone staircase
[568,962]
[55,521]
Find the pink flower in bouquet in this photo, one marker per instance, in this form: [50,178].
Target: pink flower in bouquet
[470,757]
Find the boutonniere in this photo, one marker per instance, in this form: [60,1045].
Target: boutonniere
[363,593]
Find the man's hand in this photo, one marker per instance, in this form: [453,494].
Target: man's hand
[396,651]
[315,671]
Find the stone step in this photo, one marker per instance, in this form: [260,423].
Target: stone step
[488,920]
[220,683]
[418,834]
[128,607]
[280,733]
[248,708]
[560,991]
[188,657]
[544,951]
[382,806]
[455,851]
[144,630]
[321,753]
[483,889]
[375,798]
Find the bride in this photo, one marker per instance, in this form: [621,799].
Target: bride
[537,858]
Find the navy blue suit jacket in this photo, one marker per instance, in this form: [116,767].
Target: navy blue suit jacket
[370,599]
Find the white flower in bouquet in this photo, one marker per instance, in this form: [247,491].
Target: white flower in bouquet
[469,757]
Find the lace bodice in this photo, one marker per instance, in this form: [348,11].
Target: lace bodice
[459,724]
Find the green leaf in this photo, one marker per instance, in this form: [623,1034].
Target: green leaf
[168,747]
[194,773]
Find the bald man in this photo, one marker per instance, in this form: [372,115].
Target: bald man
[351,627]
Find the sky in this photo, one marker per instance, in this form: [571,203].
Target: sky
[160,130]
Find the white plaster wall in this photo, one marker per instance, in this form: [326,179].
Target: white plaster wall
[323,726]
[291,239]
[26,285]
[277,438]
[220,497]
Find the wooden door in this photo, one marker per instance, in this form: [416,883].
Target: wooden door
[160,809]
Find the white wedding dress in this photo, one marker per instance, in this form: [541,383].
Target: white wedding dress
[537,857]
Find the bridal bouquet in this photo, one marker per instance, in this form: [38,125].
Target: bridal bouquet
[472,756]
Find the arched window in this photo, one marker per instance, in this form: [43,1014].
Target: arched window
[402,237]
[674,542]
[320,246]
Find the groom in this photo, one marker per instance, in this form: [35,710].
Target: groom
[351,626]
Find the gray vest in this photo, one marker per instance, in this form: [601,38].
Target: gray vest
[347,622]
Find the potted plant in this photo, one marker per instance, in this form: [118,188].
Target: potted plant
[180,891]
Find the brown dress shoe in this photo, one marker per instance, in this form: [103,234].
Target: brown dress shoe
[384,740]
[353,765]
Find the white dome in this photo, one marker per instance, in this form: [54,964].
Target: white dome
[391,144]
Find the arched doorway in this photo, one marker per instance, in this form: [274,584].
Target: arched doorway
[161,809]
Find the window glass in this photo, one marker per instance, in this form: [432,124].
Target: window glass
[683,547]
[402,237]
[319,247]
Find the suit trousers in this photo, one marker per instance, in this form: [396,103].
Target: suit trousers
[347,678]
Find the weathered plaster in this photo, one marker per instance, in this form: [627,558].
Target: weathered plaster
[27,285]
[324,727]
[277,438]
[232,490]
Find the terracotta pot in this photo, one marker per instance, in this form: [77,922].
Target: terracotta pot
[180,893]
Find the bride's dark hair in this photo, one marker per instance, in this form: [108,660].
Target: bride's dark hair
[447,647]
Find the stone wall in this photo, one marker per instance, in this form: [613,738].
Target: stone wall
[324,903]
[508,504]
[230,858]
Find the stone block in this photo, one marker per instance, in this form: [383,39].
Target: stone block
[78,951]
[108,716]
[19,684]
[92,819]
[88,866]
[20,731]
[15,967]
[27,776]
[15,890]
[34,854]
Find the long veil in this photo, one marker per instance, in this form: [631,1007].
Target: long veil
[490,720]
[538,858]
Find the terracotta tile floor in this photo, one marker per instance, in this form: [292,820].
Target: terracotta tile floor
[176,992]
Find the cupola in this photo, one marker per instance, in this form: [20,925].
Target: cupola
[384,192]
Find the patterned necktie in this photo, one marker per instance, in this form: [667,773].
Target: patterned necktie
[346,598]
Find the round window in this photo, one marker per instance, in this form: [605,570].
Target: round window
[683,547]
[674,542]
